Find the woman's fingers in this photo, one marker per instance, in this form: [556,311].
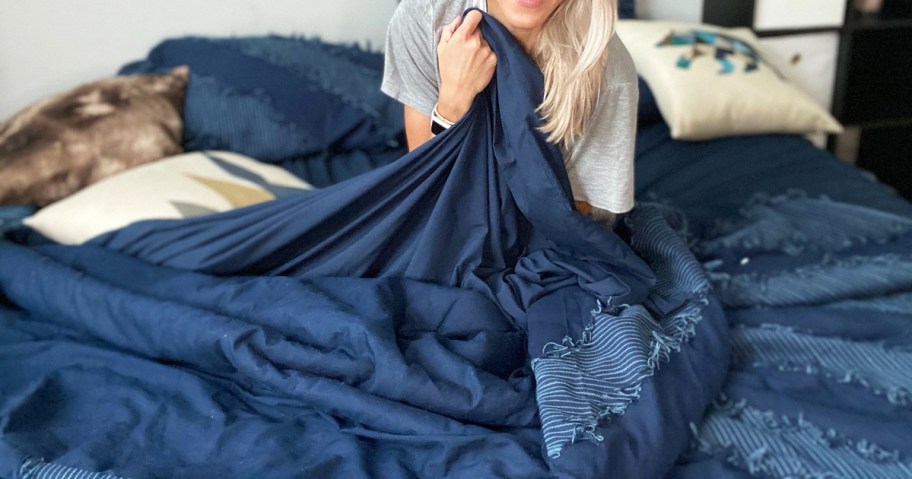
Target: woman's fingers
[450,29]
[469,24]
[487,55]
[465,64]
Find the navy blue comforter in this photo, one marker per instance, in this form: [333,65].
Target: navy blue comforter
[450,315]
[447,315]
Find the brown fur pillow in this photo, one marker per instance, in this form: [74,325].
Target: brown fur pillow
[68,141]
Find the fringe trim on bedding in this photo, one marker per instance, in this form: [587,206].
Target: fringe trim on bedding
[768,444]
[898,304]
[337,70]
[607,366]
[322,65]
[794,224]
[882,372]
[583,382]
[831,280]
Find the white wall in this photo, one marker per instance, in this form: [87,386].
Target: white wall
[678,10]
[48,46]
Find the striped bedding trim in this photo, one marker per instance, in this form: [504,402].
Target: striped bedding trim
[832,280]
[884,372]
[794,224]
[583,382]
[771,445]
[35,469]
[898,304]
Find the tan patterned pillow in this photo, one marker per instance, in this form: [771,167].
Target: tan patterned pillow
[183,186]
[68,141]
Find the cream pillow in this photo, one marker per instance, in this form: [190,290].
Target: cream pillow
[183,186]
[711,82]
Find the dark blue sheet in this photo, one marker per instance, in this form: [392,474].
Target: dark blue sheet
[432,318]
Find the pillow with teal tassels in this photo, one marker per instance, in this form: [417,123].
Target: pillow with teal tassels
[712,82]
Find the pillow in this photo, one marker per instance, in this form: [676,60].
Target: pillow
[278,99]
[68,141]
[184,186]
[711,82]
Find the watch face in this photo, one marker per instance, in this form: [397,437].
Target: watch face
[437,128]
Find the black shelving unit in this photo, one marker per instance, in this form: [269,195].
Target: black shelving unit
[873,92]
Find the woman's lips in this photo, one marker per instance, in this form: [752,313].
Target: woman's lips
[530,3]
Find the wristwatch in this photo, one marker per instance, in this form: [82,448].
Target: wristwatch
[439,123]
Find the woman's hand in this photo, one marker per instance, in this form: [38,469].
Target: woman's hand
[466,65]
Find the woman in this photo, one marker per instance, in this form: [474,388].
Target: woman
[437,62]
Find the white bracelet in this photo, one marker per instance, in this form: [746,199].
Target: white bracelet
[437,118]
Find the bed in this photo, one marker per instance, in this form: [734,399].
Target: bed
[766,311]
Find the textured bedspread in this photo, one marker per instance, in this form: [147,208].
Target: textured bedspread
[819,296]
[811,260]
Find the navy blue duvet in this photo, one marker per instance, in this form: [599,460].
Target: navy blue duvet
[447,315]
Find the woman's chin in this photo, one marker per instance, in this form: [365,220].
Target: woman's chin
[526,16]
[527,13]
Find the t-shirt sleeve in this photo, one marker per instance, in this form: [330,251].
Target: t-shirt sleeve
[410,66]
[600,167]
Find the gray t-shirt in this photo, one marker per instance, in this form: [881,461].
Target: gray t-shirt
[600,165]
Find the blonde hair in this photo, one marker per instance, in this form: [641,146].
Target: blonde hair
[572,52]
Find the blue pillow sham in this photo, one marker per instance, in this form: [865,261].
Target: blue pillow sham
[266,97]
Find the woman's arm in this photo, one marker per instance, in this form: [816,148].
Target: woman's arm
[417,128]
